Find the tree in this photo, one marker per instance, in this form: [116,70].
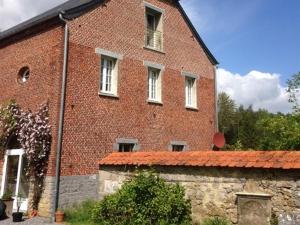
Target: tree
[247,131]
[227,117]
[280,132]
[294,91]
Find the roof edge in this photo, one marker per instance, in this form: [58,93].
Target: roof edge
[69,13]
[211,57]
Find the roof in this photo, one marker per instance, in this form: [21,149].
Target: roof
[229,159]
[75,8]
[71,9]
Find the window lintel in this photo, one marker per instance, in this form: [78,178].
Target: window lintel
[154,8]
[191,75]
[153,65]
[104,52]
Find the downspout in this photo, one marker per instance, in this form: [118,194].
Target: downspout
[216,100]
[61,115]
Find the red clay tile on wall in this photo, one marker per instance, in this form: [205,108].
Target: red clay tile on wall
[239,159]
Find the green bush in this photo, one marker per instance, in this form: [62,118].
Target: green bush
[80,214]
[216,221]
[145,200]
[274,219]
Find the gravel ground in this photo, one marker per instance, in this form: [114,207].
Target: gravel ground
[34,221]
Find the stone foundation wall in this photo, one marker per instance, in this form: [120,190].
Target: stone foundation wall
[214,191]
[73,189]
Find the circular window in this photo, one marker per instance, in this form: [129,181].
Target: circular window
[23,75]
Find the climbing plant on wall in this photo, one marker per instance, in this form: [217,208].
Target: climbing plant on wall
[33,132]
[9,114]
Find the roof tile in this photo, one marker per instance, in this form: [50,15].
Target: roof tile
[239,159]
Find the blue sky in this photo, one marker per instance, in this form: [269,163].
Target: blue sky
[261,35]
[257,43]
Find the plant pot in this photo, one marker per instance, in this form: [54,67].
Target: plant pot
[32,213]
[17,216]
[2,210]
[9,206]
[59,217]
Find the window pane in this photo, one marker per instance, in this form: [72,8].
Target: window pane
[126,147]
[107,67]
[151,21]
[177,148]
[153,84]
[24,182]
[11,174]
[189,91]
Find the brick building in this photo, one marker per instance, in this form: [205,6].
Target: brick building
[118,75]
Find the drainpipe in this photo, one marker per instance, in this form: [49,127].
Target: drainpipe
[216,99]
[61,116]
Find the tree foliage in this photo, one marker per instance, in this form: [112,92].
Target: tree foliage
[227,117]
[8,122]
[245,128]
[279,132]
[145,200]
[294,91]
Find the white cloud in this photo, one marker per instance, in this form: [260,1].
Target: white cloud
[262,90]
[13,12]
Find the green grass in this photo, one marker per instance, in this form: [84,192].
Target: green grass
[80,214]
[216,221]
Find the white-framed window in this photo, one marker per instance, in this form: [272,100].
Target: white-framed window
[154,27]
[154,84]
[190,92]
[108,82]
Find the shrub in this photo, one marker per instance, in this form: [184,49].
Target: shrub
[216,221]
[145,200]
[274,219]
[80,214]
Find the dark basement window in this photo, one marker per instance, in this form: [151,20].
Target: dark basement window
[177,148]
[126,147]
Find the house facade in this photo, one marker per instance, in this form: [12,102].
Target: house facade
[118,76]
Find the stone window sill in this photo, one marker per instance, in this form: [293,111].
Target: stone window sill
[154,102]
[154,49]
[111,95]
[192,108]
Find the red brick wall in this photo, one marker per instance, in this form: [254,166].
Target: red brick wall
[42,53]
[93,122]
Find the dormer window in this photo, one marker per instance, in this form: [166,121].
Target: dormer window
[154,27]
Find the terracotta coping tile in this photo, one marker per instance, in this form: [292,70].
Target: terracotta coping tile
[240,159]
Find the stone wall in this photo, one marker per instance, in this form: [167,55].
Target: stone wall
[214,191]
[73,189]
